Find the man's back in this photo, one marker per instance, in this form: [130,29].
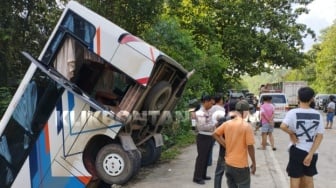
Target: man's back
[305,123]
[238,135]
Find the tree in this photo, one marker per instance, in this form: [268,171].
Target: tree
[326,61]
[252,33]
[168,36]
[25,25]
[135,16]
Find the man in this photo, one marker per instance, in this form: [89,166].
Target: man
[218,112]
[236,135]
[204,140]
[305,128]
[218,118]
[330,112]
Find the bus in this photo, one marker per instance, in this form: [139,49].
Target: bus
[90,109]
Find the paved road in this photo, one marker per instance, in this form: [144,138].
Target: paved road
[270,167]
[178,173]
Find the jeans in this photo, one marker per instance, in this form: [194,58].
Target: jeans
[220,168]
[237,177]
[210,155]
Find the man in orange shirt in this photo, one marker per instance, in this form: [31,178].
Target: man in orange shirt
[236,135]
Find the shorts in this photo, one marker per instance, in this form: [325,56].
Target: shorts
[296,168]
[267,128]
[330,116]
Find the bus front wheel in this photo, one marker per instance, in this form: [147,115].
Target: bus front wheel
[114,165]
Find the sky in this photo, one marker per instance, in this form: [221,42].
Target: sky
[322,14]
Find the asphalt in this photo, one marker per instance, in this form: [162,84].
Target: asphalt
[178,173]
[271,167]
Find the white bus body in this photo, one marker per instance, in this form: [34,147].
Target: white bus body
[90,108]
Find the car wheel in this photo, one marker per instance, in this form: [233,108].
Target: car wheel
[114,165]
[150,153]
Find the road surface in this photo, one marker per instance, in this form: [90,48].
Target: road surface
[270,167]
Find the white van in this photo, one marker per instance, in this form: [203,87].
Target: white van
[280,101]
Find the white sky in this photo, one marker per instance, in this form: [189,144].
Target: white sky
[322,14]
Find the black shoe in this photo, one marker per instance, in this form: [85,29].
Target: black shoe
[207,178]
[201,182]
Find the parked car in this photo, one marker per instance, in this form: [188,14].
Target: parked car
[234,97]
[326,101]
[320,99]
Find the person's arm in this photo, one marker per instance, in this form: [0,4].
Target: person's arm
[219,138]
[291,134]
[250,149]
[316,145]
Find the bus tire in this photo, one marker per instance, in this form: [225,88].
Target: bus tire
[89,154]
[137,160]
[149,153]
[158,96]
[114,165]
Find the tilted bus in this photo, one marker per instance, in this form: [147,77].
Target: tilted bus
[91,107]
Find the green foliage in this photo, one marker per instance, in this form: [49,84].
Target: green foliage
[168,36]
[25,25]
[175,138]
[5,96]
[326,61]
[135,16]
[252,33]
[181,142]
[179,130]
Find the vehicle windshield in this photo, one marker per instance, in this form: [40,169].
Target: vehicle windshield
[276,99]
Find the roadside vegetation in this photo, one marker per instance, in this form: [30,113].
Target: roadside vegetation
[229,44]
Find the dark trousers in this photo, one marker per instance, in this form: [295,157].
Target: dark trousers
[220,168]
[204,144]
[237,177]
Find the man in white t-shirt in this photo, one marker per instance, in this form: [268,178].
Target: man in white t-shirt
[305,128]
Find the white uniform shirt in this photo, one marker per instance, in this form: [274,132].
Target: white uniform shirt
[217,113]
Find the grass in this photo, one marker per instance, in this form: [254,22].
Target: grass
[181,141]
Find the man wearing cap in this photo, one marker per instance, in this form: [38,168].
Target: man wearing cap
[236,135]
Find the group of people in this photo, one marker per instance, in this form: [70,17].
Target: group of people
[304,125]
[210,119]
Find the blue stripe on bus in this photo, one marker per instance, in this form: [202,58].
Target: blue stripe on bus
[59,119]
[71,101]
[40,168]
[40,161]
